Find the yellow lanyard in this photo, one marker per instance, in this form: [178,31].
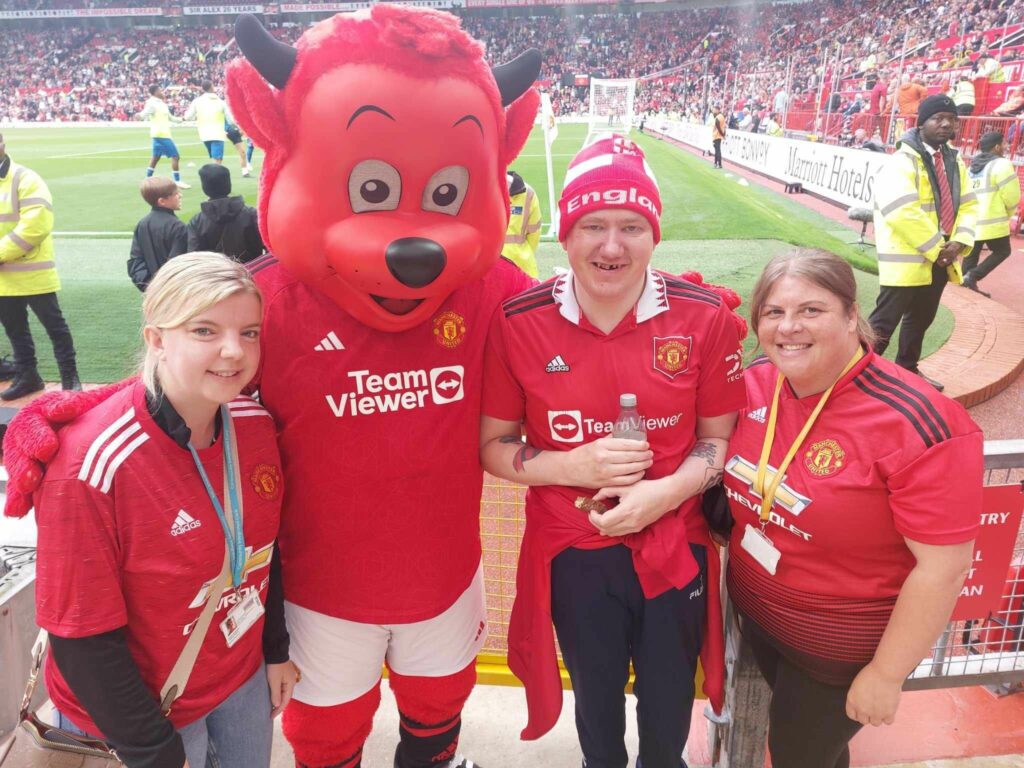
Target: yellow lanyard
[768,495]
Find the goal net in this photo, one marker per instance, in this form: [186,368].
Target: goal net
[611,107]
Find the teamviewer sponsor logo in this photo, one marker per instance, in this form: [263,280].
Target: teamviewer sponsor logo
[372,393]
[566,426]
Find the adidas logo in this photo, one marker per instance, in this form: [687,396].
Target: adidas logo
[329,343]
[557,365]
[759,414]
[184,523]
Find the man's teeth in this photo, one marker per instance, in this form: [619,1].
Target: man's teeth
[608,267]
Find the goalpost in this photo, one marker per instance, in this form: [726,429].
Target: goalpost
[611,107]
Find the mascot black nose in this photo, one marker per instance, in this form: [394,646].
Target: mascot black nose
[415,261]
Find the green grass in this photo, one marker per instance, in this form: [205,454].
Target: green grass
[712,224]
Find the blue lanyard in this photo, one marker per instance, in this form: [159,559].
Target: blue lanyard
[236,542]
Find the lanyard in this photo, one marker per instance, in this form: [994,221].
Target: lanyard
[233,532]
[768,495]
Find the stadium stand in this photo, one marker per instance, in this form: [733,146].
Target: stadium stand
[831,52]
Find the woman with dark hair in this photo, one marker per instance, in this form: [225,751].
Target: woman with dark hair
[851,543]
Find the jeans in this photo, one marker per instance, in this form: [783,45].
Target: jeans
[236,734]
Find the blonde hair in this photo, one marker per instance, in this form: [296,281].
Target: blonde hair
[186,286]
[817,266]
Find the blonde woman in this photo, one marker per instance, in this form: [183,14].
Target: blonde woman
[856,490]
[146,493]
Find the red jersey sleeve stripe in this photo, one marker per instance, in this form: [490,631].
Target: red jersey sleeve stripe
[261,263]
[928,442]
[675,294]
[904,397]
[682,285]
[527,295]
[99,442]
[920,396]
[546,301]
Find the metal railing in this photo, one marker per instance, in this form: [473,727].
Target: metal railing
[983,651]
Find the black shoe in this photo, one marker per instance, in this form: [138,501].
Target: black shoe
[970,281]
[25,383]
[8,370]
[69,380]
[937,384]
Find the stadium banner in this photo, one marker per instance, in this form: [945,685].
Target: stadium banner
[80,13]
[519,3]
[839,174]
[217,10]
[345,7]
[983,591]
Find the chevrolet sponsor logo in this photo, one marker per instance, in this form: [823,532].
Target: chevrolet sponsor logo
[785,497]
[253,561]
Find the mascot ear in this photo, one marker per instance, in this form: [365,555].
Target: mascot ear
[255,106]
[729,296]
[518,122]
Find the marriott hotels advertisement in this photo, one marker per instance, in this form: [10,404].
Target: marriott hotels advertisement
[840,174]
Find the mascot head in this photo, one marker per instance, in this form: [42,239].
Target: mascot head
[387,137]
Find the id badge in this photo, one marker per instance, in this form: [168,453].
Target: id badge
[760,547]
[241,618]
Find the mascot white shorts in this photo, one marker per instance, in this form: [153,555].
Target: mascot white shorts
[341,660]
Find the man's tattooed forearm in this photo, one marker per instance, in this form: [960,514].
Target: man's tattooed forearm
[706,451]
[711,478]
[523,455]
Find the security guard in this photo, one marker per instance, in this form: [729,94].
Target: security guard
[925,213]
[994,180]
[963,95]
[211,115]
[523,234]
[28,277]
[718,133]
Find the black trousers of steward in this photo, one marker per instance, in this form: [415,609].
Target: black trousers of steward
[603,622]
[14,316]
[999,248]
[807,722]
[915,306]
[718,152]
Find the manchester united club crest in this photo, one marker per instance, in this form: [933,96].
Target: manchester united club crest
[672,354]
[824,458]
[266,481]
[449,329]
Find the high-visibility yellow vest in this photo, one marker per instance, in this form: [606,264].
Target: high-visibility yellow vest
[907,234]
[998,191]
[27,267]
[210,115]
[159,115]
[964,93]
[523,234]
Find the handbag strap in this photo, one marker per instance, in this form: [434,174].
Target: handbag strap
[182,669]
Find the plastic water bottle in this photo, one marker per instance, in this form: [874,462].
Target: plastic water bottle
[629,424]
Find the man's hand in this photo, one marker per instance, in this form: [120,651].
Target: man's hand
[639,505]
[949,253]
[610,461]
[281,679]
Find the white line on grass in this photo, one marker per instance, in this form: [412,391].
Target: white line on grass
[91,232]
[111,151]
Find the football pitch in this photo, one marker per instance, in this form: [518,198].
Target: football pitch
[713,222]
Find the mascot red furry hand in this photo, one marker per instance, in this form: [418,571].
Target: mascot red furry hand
[384,203]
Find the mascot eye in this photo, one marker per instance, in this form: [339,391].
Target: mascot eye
[446,190]
[374,185]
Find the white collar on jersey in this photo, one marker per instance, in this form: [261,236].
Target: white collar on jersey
[653,300]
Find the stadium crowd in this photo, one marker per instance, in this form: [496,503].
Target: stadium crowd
[687,58]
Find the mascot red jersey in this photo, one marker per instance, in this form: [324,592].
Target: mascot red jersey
[384,203]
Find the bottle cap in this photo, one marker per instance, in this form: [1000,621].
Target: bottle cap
[627,401]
